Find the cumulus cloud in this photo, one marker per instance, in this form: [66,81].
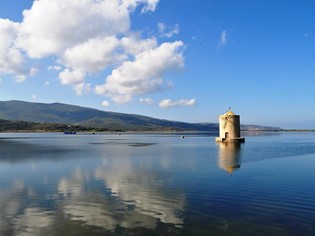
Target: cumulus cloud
[11,58]
[71,76]
[121,98]
[144,74]
[88,38]
[147,101]
[168,103]
[134,45]
[93,55]
[76,79]
[223,38]
[62,24]
[63,27]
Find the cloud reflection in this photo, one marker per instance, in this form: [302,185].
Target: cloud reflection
[140,190]
[92,214]
[16,218]
[107,192]
[33,221]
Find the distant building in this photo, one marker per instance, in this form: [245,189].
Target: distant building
[230,128]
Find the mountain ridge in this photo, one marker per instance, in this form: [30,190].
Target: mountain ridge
[60,113]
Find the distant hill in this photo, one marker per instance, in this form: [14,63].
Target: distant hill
[16,126]
[58,113]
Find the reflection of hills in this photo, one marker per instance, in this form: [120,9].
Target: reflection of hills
[15,150]
[229,156]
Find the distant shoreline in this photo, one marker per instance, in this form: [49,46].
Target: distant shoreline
[151,131]
[297,130]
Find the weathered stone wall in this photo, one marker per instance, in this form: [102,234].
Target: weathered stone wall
[230,124]
[230,128]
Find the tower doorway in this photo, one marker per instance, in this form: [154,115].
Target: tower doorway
[226,135]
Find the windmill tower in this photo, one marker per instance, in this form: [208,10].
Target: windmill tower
[230,128]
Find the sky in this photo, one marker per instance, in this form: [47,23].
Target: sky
[183,60]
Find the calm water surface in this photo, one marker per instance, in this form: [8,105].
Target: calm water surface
[55,184]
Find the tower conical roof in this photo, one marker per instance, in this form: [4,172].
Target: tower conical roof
[229,113]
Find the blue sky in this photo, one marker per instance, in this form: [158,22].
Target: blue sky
[169,59]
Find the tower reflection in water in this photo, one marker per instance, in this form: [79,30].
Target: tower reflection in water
[229,156]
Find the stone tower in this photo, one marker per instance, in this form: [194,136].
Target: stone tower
[230,128]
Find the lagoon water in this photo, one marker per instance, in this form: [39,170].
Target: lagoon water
[157,184]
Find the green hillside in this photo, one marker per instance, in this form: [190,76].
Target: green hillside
[58,113]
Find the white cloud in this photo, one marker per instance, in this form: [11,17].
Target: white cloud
[51,28]
[144,74]
[20,78]
[11,59]
[33,71]
[168,103]
[47,83]
[57,68]
[90,37]
[150,5]
[93,55]
[105,103]
[81,88]
[223,38]
[121,98]
[147,101]
[71,77]
[161,27]
[76,79]
[66,23]
[134,45]
[167,31]
[34,96]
